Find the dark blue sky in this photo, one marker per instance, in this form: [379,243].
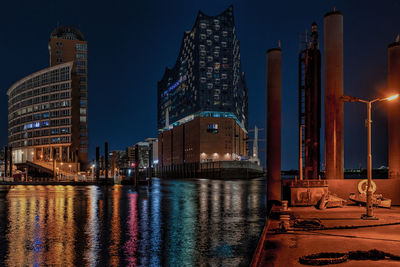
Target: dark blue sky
[131,43]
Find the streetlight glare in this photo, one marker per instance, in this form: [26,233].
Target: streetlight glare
[393,97]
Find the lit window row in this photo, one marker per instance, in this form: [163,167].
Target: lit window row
[81,47]
[54,76]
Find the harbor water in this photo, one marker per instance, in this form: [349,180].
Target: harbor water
[196,222]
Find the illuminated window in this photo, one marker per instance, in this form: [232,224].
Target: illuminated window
[81,55]
[81,47]
[212,128]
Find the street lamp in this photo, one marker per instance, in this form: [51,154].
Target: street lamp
[369,205]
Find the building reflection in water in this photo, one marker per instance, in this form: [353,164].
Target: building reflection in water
[115,226]
[93,227]
[34,215]
[155,224]
[174,223]
[131,244]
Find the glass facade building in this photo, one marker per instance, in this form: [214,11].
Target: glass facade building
[207,79]
[47,110]
[40,115]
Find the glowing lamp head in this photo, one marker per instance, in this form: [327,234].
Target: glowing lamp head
[393,97]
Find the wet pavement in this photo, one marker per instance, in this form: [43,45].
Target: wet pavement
[343,231]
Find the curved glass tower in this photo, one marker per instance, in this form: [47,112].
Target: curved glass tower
[47,110]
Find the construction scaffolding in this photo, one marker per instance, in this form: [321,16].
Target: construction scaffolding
[310,104]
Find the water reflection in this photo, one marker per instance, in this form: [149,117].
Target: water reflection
[173,223]
[92,227]
[40,226]
[130,246]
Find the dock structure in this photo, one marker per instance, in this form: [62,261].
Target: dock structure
[310,104]
[333,67]
[394,109]
[274,110]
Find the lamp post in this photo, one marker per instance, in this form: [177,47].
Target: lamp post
[369,205]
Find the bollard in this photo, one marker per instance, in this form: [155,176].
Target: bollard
[284,205]
[285,222]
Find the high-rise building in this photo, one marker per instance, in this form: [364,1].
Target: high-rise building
[68,44]
[206,82]
[47,110]
[139,154]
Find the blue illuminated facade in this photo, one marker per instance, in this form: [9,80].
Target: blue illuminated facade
[207,79]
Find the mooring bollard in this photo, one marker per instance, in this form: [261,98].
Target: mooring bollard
[284,205]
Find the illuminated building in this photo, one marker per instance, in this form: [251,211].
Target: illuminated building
[68,44]
[139,154]
[47,110]
[206,85]
[153,151]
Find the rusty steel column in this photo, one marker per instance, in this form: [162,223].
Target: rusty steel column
[394,109]
[333,65]
[274,99]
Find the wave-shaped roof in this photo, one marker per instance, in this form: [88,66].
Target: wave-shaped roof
[200,15]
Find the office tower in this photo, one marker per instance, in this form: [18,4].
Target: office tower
[48,109]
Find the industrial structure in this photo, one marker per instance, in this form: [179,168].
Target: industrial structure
[310,103]
[274,129]
[333,69]
[47,110]
[394,109]
[202,100]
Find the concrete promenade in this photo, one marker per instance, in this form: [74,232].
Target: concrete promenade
[342,231]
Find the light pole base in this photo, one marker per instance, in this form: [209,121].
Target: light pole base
[366,217]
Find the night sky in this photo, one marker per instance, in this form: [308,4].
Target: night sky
[131,43]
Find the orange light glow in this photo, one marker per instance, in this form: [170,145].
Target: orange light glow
[393,97]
